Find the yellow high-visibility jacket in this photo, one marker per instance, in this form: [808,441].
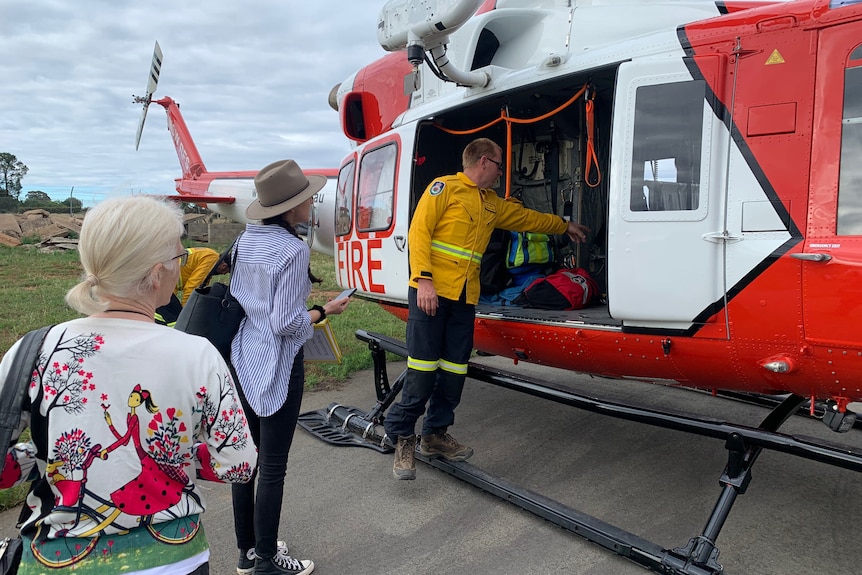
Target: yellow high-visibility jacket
[201,261]
[452,226]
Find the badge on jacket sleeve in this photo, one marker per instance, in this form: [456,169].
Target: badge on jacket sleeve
[436,188]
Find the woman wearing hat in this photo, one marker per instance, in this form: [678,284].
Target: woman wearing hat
[272,281]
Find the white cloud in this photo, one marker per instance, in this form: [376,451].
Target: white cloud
[252,79]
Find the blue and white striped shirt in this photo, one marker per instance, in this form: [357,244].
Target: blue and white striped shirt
[270,281]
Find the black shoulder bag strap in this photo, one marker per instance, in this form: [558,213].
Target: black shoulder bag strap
[15,386]
[228,255]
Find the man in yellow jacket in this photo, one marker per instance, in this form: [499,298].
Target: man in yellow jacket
[195,264]
[448,234]
[195,269]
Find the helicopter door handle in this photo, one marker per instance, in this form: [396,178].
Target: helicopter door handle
[812,257]
[719,237]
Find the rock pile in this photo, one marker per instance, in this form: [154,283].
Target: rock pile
[60,231]
[53,230]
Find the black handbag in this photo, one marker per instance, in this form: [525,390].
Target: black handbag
[11,402]
[211,311]
[15,387]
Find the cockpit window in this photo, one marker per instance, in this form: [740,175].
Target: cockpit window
[344,199]
[375,195]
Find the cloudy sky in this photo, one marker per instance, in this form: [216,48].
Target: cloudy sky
[252,79]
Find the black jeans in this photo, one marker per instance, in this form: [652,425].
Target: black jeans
[256,519]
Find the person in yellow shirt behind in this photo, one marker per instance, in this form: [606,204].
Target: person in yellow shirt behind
[194,270]
[195,264]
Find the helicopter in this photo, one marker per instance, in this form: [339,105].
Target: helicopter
[705,144]
[709,146]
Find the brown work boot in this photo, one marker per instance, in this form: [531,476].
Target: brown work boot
[445,446]
[405,463]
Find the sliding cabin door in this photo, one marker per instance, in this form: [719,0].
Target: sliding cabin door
[664,266]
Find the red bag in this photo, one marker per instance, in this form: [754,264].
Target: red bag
[563,289]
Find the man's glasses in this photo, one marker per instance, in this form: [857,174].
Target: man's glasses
[499,164]
[183,257]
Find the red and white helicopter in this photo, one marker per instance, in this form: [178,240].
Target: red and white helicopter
[226,193]
[712,148]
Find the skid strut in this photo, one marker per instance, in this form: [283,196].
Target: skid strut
[342,425]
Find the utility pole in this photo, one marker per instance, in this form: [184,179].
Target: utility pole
[71,198]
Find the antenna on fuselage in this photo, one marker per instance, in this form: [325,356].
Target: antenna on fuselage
[152,82]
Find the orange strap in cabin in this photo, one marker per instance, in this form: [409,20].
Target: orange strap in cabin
[591,159]
[504,117]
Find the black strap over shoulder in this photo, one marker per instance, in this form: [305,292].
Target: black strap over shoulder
[229,255]
[16,384]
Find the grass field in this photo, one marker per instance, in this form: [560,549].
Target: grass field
[33,285]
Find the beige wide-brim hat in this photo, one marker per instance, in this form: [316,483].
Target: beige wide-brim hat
[281,186]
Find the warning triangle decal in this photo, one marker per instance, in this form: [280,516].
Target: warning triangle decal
[775,58]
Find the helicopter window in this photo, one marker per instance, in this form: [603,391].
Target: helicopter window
[344,199]
[850,178]
[668,131]
[375,194]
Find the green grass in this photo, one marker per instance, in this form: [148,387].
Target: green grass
[358,315]
[33,286]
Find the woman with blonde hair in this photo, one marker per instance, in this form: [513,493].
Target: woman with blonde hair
[111,502]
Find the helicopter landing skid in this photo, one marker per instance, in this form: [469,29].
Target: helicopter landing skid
[698,557]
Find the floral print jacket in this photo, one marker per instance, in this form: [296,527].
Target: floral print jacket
[125,417]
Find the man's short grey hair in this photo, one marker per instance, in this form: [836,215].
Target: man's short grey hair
[478,148]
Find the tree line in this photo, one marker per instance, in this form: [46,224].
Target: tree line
[13,171]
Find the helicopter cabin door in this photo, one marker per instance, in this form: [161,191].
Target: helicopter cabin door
[665,267]
[831,260]
[371,219]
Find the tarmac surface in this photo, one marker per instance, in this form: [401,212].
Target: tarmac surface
[343,509]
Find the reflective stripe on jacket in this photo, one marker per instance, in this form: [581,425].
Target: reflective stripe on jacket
[452,226]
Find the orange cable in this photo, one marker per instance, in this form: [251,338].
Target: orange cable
[504,116]
[508,158]
[592,158]
[507,119]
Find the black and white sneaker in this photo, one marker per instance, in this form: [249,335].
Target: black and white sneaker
[245,565]
[282,565]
